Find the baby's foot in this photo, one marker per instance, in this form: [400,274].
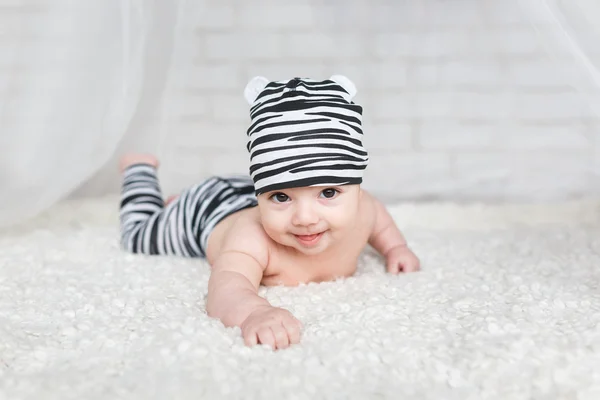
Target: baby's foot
[137,158]
[170,199]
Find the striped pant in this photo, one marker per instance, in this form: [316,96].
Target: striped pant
[181,228]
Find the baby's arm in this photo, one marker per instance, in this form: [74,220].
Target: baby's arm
[387,239]
[385,235]
[233,298]
[233,287]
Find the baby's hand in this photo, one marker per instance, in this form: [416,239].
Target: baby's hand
[402,259]
[272,326]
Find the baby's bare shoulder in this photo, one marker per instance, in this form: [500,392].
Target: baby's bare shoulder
[368,210]
[246,235]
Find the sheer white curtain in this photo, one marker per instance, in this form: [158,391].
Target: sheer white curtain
[77,76]
[73,74]
[569,30]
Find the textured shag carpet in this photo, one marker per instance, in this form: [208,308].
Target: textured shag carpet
[507,306]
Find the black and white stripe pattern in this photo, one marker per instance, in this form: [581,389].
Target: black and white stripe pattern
[183,227]
[305,132]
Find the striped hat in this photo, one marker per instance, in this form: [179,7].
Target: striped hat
[304,132]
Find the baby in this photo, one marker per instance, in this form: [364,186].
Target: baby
[301,216]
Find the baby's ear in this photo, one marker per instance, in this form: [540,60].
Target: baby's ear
[254,87]
[346,84]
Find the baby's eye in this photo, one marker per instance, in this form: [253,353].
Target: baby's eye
[329,193]
[280,197]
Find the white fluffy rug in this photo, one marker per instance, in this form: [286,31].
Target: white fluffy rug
[507,306]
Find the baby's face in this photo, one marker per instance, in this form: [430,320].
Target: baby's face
[310,219]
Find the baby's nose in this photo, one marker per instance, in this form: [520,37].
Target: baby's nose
[305,215]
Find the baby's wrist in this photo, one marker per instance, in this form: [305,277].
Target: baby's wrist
[399,246]
[254,304]
[243,307]
[254,310]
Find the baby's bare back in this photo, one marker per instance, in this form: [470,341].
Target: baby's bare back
[287,266]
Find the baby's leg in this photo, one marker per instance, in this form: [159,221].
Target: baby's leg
[147,226]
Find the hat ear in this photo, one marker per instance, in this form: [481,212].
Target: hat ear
[254,87]
[346,84]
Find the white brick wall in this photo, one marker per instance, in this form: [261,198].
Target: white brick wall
[462,99]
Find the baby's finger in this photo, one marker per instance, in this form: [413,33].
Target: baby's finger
[265,336]
[411,266]
[250,338]
[394,267]
[282,340]
[293,328]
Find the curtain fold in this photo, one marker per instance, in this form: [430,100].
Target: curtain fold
[72,77]
[570,33]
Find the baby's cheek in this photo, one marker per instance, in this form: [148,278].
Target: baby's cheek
[342,220]
[274,225]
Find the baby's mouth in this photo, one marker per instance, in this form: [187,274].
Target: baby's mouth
[308,237]
[309,240]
